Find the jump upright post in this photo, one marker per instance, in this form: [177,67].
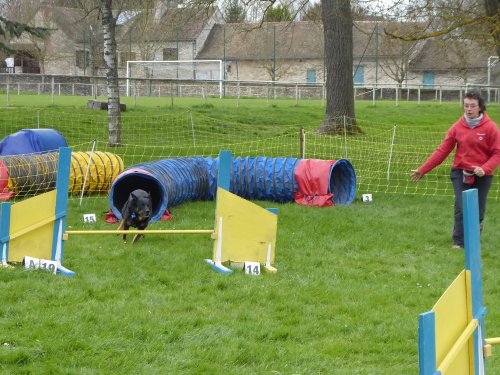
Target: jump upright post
[451,335]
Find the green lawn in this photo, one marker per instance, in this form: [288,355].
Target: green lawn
[350,285]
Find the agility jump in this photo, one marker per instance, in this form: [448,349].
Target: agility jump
[34,227]
[451,336]
[243,230]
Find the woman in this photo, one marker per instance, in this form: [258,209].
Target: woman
[477,155]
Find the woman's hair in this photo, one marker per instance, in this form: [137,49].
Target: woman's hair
[477,96]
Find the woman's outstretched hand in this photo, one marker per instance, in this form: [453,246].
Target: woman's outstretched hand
[415,175]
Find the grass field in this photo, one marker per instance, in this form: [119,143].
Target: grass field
[351,280]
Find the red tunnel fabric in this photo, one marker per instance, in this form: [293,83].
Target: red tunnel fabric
[5,192]
[313,186]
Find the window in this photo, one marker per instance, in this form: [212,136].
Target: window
[169,54]
[311,76]
[359,75]
[428,79]
[126,56]
[82,57]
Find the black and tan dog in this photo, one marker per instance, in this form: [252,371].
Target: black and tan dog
[136,213]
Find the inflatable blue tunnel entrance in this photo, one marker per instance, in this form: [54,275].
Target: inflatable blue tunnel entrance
[28,141]
[174,181]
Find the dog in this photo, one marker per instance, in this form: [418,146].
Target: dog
[136,213]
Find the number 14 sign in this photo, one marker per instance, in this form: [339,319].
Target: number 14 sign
[252,268]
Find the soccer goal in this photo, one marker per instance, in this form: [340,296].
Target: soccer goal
[187,70]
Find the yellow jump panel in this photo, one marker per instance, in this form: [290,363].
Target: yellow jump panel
[31,227]
[453,312]
[247,229]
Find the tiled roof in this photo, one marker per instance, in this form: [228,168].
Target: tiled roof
[254,41]
[299,40]
[177,24]
[452,54]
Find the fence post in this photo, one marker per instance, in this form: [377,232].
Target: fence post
[345,136]
[8,91]
[171,94]
[391,152]
[268,93]
[192,128]
[302,143]
[203,94]
[52,90]
[238,96]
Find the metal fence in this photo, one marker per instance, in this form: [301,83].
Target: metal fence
[94,86]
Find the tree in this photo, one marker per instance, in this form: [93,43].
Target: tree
[104,10]
[474,19]
[112,83]
[15,29]
[277,14]
[146,32]
[397,55]
[337,29]
[234,12]
[312,13]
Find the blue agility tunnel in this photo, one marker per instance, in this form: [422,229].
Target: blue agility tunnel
[342,182]
[29,141]
[258,177]
[168,181]
[173,181]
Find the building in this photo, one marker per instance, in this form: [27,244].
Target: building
[273,51]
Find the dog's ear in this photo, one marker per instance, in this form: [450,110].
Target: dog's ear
[133,196]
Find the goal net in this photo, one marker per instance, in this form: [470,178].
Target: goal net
[178,70]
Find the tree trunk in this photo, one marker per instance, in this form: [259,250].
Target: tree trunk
[337,29]
[110,59]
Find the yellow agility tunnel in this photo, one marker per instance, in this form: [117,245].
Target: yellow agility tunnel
[32,174]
